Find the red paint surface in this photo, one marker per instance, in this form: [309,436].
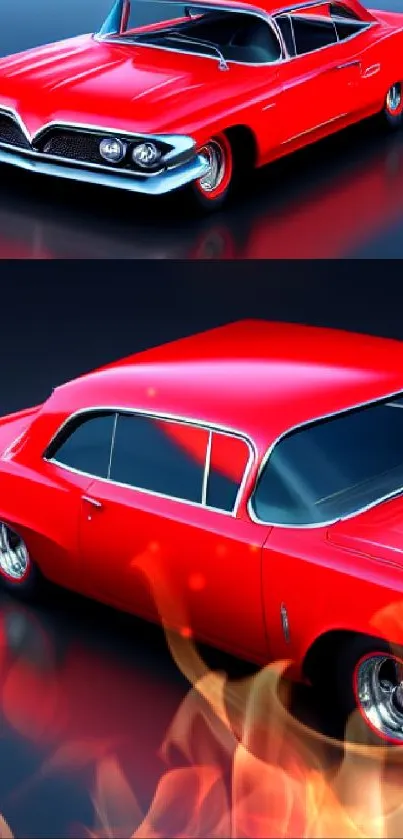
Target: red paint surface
[222,577]
[141,89]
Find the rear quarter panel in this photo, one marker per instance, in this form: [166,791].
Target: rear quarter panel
[325,588]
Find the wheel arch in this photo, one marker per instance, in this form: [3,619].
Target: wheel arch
[243,141]
[325,645]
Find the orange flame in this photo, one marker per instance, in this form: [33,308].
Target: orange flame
[248,768]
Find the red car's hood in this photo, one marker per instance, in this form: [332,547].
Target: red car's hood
[128,87]
[377,533]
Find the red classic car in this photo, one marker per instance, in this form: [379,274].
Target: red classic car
[243,486]
[169,95]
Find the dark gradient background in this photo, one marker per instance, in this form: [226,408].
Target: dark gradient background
[340,198]
[76,678]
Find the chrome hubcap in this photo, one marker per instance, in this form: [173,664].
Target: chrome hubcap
[14,557]
[380,695]
[214,156]
[394,98]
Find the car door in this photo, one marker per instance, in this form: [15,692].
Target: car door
[160,537]
[366,47]
[317,78]
[51,504]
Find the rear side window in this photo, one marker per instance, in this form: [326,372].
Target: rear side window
[228,461]
[85,444]
[160,456]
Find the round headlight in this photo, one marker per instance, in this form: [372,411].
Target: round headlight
[112,150]
[146,154]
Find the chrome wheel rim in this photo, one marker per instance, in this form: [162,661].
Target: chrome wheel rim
[380,695]
[14,559]
[394,98]
[215,158]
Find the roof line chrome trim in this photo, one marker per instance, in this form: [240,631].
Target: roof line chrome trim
[313,421]
[208,426]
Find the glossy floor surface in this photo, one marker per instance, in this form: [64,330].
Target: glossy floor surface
[98,718]
[340,198]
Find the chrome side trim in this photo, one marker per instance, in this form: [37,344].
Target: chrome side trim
[208,426]
[314,128]
[312,421]
[167,181]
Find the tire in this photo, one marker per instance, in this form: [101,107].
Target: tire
[360,684]
[211,191]
[18,574]
[393,108]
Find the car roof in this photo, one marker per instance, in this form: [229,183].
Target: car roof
[257,377]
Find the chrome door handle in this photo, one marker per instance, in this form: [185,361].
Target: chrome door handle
[92,501]
[354,63]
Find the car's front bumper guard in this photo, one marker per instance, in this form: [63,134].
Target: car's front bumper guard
[169,179]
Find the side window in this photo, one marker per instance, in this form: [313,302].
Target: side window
[313,28]
[160,456]
[285,26]
[228,461]
[345,21]
[85,444]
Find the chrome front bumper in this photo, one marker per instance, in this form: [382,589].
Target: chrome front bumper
[166,181]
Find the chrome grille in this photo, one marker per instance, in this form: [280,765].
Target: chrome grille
[72,145]
[11,133]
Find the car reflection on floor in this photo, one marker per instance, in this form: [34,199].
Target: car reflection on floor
[326,202]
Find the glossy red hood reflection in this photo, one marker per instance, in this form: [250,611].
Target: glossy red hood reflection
[128,87]
[377,533]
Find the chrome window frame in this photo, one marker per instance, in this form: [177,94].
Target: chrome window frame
[270,19]
[252,12]
[210,427]
[288,12]
[314,420]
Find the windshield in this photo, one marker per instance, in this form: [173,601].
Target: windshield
[224,33]
[333,468]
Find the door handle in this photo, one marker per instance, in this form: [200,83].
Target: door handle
[344,66]
[92,501]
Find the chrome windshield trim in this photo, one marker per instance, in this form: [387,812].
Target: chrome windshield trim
[253,11]
[318,525]
[208,426]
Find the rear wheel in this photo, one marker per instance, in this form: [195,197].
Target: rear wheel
[393,107]
[17,571]
[212,189]
[365,679]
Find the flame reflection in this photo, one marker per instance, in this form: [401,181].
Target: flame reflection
[234,761]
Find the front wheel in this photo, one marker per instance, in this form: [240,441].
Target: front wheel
[18,574]
[212,189]
[393,108]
